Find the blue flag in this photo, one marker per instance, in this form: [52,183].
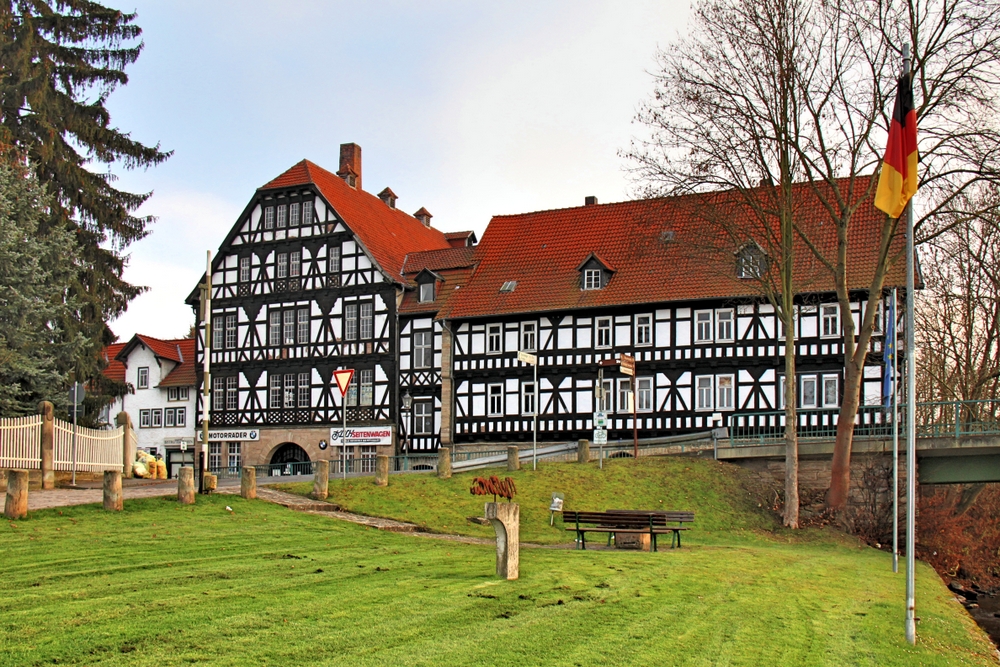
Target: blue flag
[889,355]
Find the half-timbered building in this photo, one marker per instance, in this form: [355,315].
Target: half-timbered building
[582,285]
[308,281]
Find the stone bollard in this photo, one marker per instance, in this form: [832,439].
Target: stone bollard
[583,451]
[16,506]
[211,482]
[506,520]
[128,443]
[45,409]
[113,499]
[248,483]
[513,458]
[444,462]
[321,480]
[185,485]
[381,470]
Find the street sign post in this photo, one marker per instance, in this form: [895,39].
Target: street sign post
[343,378]
[528,358]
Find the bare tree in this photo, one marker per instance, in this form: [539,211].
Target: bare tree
[725,117]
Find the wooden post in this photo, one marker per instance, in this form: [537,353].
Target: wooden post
[16,506]
[513,458]
[444,462]
[381,470]
[128,443]
[248,483]
[583,451]
[211,482]
[185,485]
[506,520]
[113,500]
[321,480]
[45,409]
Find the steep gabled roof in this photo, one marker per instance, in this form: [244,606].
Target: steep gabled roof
[662,250]
[115,370]
[184,374]
[387,233]
[451,268]
[178,350]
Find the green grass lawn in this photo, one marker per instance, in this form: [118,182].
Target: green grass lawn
[164,585]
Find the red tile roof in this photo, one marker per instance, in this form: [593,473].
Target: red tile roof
[453,265]
[543,250]
[115,370]
[459,239]
[389,234]
[184,374]
[437,260]
[179,350]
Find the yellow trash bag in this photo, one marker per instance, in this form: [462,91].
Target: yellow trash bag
[161,469]
[139,469]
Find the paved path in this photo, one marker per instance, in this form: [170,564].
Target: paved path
[40,500]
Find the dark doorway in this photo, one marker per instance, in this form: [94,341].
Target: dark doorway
[290,459]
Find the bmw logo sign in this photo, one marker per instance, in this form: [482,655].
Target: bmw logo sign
[322,444]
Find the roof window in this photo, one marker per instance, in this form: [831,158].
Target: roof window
[508,286]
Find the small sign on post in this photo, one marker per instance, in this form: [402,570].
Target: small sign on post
[627,366]
[600,436]
[600,419]
[527,357]
[343,378]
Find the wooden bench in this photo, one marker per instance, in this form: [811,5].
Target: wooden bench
[638,522]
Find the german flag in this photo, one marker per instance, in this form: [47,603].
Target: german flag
[898,180]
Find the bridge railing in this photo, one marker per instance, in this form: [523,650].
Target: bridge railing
[934,419]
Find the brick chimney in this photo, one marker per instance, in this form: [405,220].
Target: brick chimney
[350,164]
[587,201]
[424,216]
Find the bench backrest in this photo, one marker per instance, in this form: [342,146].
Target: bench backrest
[673,516]
[625,518]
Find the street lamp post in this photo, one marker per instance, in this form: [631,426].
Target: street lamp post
[407,405]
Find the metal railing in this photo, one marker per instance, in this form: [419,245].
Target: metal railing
[934,419]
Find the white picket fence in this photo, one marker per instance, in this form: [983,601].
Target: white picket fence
[95,450]
[20,439]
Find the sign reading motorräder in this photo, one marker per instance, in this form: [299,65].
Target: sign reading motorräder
[233,435]
[362,435]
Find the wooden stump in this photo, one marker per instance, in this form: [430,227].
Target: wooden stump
[248,483]
[45,409]
[16,506]
[321,480]
[444,462]
[381,470]
[583,451]
[185,485]
[211,482]
[513,458]
[113,499]
[506,520]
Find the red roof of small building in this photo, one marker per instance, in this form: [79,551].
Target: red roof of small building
[115,370]
[452,265]
[388,234]
[179,350]
[437,260]
[184,374]
[662,250]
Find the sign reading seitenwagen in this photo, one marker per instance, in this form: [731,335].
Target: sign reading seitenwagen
[369,435]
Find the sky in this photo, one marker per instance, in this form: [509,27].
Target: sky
[470,109]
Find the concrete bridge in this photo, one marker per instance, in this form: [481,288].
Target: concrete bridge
[957,441]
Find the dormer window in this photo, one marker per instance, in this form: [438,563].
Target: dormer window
[750,261]
[592,279]
[426,292]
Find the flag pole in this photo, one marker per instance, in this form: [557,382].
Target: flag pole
[911,391]
[895,438]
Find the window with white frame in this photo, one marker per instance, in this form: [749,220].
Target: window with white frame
[831,391]
[725,388]
[703,326]
[624,394]
[368,454]
[807,391]
[352,391]
[142,378]
[779,400]
[307,213]
[351,321]
[214,455]
[288,327]
[169,416]
[704,389]
[282,216]
[274,396]
[367,386]
[305,390]
[244,269]
[605,395]
[230,331]
[643,330]
[218,332]
[232,392]
[288,400]
[423,417]
[724,325]
[426,292]
[831,320]
[495,400]
[157,418]
[423,349]
[295,264]
[180,417]
[293,215]
[269,217]
[302,327]
[274,328]
[592,279]
[494,339]
[182,393]
[366,320]
[528,400]
[235,451]
[750,262]
[529,333]
[333,264]
[644,394]
[603,332]
[218,392]
[282,271]
[173,393]
[144,419]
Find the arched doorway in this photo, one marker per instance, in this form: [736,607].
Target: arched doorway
[290,459]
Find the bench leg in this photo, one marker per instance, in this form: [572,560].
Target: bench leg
[583,541]
[609,538]
[653,537]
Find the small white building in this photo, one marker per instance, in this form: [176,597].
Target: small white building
[162,378]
